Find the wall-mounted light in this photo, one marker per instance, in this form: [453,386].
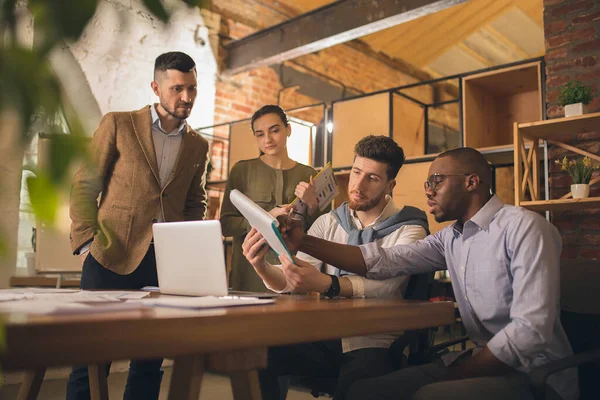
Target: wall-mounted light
[330,127]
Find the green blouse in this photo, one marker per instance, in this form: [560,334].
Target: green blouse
[267,187]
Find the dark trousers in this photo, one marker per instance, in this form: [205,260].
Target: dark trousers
[143,382]
[321,361]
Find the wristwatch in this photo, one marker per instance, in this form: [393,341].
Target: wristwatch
[334,289]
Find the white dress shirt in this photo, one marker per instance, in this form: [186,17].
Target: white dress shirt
[327,227]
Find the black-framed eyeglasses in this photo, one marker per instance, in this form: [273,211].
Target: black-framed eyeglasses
[434,179]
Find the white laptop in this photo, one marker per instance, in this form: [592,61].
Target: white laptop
[190,261]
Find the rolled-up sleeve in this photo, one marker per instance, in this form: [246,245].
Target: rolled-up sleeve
[423,256]
[534,246]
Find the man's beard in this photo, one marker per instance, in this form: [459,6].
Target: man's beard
[180,115]
[369,205]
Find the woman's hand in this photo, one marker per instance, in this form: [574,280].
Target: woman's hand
[307,193]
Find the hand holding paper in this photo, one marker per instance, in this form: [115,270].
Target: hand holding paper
[255,248]
[307,197]
[325,189]
[258,218]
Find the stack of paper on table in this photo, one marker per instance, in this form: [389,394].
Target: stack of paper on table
[204,301]
[48,301]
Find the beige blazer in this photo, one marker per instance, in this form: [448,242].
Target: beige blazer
[125,175]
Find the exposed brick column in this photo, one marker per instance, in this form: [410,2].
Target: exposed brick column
[572,33]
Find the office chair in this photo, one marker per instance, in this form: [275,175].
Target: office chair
[580,317]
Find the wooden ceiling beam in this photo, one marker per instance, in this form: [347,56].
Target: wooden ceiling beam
[460,28]
[474,54]
[512,46]
[333,24]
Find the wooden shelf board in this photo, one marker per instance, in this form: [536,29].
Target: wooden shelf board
[561,204]
[42,281]
[553,128]
[508,81]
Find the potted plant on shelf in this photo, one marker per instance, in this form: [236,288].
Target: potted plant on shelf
[581,172]
[575,97]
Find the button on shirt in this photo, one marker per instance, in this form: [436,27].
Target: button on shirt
[504,266]
[166,146]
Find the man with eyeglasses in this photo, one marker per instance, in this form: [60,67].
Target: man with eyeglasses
[504,265]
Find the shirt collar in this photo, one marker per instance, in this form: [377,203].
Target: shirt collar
[156,121]
[484,216]
[389,210]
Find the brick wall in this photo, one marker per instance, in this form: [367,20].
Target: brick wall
[356,68]
[572,33]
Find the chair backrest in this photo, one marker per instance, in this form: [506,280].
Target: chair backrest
[580,316]
[580,286]
[418,287]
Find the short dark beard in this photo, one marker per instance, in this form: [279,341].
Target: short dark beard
[371,204]
[173,114]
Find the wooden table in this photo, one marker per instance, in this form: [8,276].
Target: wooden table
[231,340]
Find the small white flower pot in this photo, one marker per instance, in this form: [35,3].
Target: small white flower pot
[572,110]
[580,191]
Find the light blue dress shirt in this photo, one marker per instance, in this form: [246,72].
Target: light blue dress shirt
[505,270]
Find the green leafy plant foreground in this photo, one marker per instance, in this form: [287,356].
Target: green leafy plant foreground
[28,86]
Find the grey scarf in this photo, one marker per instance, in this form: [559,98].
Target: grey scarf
[407,216]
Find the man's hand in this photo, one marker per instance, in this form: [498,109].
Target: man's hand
[255,248]
[281,213]
[307,193]
[292,233]
[484,363]
[303,277]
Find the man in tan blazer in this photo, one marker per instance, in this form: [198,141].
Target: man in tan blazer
[149,167]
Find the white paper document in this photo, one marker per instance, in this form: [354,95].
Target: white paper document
[264,222]
[204,302]
[53,301]
[70,296]
[59,307]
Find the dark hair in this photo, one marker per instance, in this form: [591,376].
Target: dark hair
[269,109]
[473,162]
[383,149]
[174,60]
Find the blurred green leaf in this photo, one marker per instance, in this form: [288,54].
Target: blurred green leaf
[8,16]
[43,194]
[156,8]
[2,343]
[27,84]
[64,149]
[198,3]
[3,248]
[62,19]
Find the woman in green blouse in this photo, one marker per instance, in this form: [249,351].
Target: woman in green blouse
[271,180]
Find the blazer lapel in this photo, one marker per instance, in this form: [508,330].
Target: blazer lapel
[185,153]
[142,126]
